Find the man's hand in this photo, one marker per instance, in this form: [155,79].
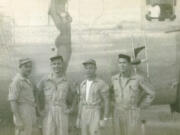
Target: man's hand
[174,84]
[78,123]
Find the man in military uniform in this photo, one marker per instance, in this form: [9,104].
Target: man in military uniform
[131,93]
[22,100]
[56,90]
[93,92]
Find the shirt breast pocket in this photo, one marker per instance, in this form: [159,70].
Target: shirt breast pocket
[48,90]
[95,91]
[134,90]
[63,90]
[26,87]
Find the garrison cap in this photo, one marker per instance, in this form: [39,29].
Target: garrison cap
[56,57]
[127,57]
[90,61]
[23,61]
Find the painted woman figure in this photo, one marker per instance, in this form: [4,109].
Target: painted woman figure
[62,21]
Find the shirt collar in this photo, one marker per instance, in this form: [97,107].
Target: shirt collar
[23,78]
[94,81]
[130,76]
[51,77]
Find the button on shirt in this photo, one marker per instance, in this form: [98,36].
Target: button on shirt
[21,90]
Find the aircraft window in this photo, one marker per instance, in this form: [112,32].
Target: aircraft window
[160,9]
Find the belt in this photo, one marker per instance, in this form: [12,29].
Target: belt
[90,106]
[126,107]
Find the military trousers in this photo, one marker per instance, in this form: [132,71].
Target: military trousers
[28,115]
[57,121]
[44,120]
[90,119]
[127,121]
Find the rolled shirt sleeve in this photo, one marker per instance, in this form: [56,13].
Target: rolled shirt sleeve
[14,91]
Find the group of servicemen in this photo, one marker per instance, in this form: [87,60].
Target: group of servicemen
[53,99]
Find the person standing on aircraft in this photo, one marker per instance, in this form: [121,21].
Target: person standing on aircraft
[131,93]
[93,92]
[22,99]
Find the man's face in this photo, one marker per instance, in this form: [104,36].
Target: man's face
[57,66]
[124,65]
[26,69]
[90,70]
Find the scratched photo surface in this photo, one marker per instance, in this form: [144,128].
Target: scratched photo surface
[146,30]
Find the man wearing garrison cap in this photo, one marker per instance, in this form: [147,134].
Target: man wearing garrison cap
[56,89]
[93,92]
[131,93]
[22,100]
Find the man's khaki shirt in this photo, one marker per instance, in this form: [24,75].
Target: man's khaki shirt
[21,90]
[55,90]
[136,93]
[97,90]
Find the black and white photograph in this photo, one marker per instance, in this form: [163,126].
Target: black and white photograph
[90,67]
